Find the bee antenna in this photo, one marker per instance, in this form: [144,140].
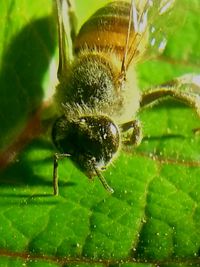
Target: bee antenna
[102,179]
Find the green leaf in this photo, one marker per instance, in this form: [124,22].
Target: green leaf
[153,217]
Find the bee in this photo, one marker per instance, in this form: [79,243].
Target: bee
[97,97]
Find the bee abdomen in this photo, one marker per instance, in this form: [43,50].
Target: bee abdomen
[106,29]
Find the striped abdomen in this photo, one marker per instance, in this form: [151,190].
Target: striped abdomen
[106,29]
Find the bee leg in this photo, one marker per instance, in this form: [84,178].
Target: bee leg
[136,136]
[190,80]
[154,96]
[55,171]
[193,81]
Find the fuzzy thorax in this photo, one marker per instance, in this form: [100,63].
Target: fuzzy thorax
[93,82]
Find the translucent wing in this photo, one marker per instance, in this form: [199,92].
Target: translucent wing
[151,21]
[66,22]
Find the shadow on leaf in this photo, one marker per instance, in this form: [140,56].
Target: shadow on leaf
[25,62]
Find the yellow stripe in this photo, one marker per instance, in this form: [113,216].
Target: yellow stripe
[102,39]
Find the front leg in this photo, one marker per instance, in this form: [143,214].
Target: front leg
[136,135]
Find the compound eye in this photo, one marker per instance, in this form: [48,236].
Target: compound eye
[92,141]
[101,139]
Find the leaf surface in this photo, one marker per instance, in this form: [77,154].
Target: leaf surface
[153,217]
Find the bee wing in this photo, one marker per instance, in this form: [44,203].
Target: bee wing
[150,23]
[65,32]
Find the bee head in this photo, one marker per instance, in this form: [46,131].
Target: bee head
[92,141]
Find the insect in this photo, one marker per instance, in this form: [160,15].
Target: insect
[97,97]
